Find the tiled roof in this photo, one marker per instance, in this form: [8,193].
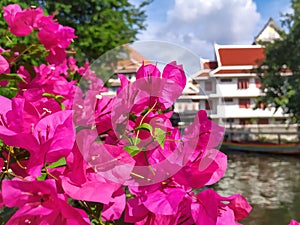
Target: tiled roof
[131,60]
[240,56]
[210,65]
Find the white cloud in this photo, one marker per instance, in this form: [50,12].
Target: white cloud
[197,24]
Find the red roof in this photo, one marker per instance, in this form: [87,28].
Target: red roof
[241,56]
[235,71]
[210,65]
[204,74]
[132,61]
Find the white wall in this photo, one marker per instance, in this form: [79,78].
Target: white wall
[230,89]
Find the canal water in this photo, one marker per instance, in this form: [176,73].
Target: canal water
[271,183]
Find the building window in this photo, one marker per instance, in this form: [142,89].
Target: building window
[263,121]
[242,122]
[244,103]
[208,86]
[245,121]
[257,83]
[226,80]
[208,105]
[229,120]
[243,83]
[261,105]
[280,120]
[228,99]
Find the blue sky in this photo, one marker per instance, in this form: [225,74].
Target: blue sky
[198,24]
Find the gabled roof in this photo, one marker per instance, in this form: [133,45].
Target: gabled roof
[239,55]
[232,59]
[190,88]
[209,65]
[269,33]
[206,66]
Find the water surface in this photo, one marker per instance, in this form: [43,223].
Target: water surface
[271,183]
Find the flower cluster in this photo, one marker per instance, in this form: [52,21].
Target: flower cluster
[55,37]
[79,157]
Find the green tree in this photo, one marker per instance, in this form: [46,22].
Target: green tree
[280,71]
[100,25]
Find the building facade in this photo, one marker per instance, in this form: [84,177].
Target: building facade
[230,87]
[226,87]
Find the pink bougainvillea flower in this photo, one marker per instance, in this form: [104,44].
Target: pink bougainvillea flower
[175,73]
[205,171]
[55,38]
[52,34]
[205,208]
[56,56]
[204,165]
[146,71]
[4,66]
[240,206]
[294,222]
[151,89]
[44,105]
[10,12]
[110,161]
[72,64]
[49,82]
[25,75]
[39,203]
[80,181]
[18,115]
[22,22]
[211,208]
[6,106]
[171,202]
[202,134]
[172,72]
[114,209]
[156,203]
[135,210]
[161,198]
[47,140]
[53,138]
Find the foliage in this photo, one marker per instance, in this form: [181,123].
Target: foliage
[99,25]
[280,71]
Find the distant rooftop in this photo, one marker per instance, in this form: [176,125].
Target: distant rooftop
[270,32]
[239,55]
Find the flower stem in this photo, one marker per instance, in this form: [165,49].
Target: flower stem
[142,120]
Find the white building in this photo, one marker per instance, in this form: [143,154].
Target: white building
[230,86]
[227,87]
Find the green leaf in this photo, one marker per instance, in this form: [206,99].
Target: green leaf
[160,136]
[42,177]
[144,126]
[12,76]
[132,117]
[132,149]
[57,98]
[58,163]
[134,140]
[6,213]
[49,95]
